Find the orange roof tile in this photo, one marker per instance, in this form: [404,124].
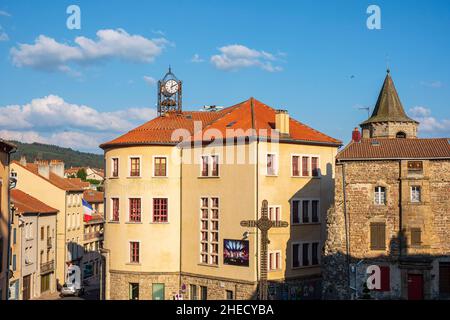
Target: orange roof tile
[93,196]
[68,184]
[250,114]
[24,203]
[393,148]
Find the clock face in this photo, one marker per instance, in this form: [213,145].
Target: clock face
[171,86]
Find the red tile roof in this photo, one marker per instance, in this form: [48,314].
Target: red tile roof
[24,203]
[68,184]
[93,196]
[393,148]
[245,115]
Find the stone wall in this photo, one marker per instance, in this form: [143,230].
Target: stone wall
[389,129]
[431,215]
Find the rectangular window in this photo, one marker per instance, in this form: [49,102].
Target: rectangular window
[134,291]
[42,233]
[160,210]
[315,211]
[204,293]
[160,166]
[305,166]
[378,236]
[295,211]
[380,195]
[14,236]
[215,166]
[274,260]
[115,167]
[193,292]
[315,166]
[295,256]
[274,213]
[229,295]
[295,166]
[416,236]
[315,253]
[444,277]
[305,211]
[115,209]
[134,252]
[135,210]
[271,165]
[205,166]
[14,262]
[135,167]
[158,291]
[415,194]
[305,254]
[209,231]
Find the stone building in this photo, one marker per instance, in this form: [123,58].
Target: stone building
[392,210]
[173,210]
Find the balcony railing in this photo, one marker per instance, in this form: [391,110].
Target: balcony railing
[92,235]
[48,266]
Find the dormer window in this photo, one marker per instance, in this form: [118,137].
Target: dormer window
[400,135]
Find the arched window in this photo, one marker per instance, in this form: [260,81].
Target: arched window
[401,135]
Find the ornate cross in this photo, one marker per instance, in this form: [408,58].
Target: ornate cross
[264,224]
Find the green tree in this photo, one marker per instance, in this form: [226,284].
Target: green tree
[82,174]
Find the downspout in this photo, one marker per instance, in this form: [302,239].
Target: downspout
[347,244]
[400,209]
[10,213]
[181,213]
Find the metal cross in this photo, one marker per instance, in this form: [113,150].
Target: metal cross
[264,224]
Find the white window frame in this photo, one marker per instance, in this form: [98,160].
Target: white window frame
[112,168]
[128,209]
[129,167]
[377,195]
[154,167]
[275,164]
[274,260]
[300,211]
[300,165]
[209,230]
[418,191]
[210,165]
[274,207]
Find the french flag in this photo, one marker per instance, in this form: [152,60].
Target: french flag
[88,210]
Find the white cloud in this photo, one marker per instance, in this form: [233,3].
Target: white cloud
[48,54]
[235,57]
[150,80]
[428,123]
[159,33]
[3,35]
[52,120]
[4,13]
[196,58]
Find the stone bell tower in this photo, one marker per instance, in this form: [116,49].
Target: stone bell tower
[389,119]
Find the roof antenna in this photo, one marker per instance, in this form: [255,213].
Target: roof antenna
[170,69]
[388,70]
[365,108]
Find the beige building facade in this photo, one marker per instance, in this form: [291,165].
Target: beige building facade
[5,150]
[173,211]
[45,181]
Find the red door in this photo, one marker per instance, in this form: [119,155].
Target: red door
[415,287]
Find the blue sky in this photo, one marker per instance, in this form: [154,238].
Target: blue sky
[79,88]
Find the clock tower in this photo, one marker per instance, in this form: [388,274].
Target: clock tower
[169,94]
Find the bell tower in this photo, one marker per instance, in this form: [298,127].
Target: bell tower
[169,94]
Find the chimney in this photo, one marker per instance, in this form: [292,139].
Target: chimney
[57,167]
[23,161]
[356,135]
[43,168]
[282,122]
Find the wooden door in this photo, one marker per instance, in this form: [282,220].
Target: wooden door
[26,294]
[415,287]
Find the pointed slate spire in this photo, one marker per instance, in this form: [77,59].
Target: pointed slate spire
[388,107]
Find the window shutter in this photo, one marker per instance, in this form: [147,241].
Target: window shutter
[378,236]
[373,236]
[381,236]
